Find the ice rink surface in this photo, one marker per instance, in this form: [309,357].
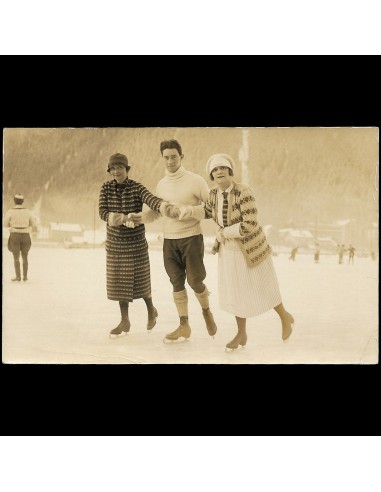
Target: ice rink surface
[62,315]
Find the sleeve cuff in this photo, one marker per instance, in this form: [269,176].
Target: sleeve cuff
[149,216]
[198,212]
[162,207]
[232,231]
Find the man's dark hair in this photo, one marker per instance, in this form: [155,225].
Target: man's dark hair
[170,144]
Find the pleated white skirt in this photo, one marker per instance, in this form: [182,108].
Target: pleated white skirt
[243,291]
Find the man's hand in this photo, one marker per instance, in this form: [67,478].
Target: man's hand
[220,235]
[216,247]
[185,212]
[171,211]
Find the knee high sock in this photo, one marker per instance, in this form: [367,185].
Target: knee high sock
[181,301]
[203,298]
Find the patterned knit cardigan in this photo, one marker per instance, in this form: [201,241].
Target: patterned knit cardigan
[242,208]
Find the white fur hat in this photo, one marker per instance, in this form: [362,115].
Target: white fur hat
[219,160]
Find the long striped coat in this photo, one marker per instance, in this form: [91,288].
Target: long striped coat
[128,268]
[242,208]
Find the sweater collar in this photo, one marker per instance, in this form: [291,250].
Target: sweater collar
[228,189]
[176,175]
[121,186]
[232,189]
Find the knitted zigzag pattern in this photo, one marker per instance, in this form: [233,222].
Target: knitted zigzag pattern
[254,244]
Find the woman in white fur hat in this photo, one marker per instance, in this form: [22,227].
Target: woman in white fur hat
[247,281]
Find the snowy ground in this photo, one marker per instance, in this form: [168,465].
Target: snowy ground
[62,314]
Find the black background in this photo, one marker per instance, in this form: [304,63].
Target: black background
[189,399]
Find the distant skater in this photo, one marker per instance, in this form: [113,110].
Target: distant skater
[20,220]
[317,253]
[293,253]
[351,254]
[341,251]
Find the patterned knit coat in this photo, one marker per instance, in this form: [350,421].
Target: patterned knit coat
[128,269]
[242,209]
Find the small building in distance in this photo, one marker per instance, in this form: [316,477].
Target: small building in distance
[60,232]
[301,238]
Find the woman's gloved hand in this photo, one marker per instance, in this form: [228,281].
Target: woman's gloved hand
[116,219]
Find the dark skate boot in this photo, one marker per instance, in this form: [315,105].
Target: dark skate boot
[121,330]
[183,331]
[152,319]
[210,323]
[287,325]
[203,299]
[18,272]
[238,341]
[25,271]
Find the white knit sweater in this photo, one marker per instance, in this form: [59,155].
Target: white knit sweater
[19,219]
[181,188]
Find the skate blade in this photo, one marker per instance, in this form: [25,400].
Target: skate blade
[236,349]
[123,334]
[167,341]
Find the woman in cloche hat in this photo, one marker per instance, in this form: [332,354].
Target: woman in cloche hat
[247,281]
[128,268]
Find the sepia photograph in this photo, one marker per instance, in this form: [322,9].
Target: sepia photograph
[189,245]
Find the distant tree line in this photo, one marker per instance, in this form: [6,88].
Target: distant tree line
[297,174]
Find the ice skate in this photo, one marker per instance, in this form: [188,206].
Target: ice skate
[210,323]
[121,330]
[238,342]
[287,328]
[206,312]
[181,334]
[152,320]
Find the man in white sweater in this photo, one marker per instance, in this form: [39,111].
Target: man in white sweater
[183,247]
